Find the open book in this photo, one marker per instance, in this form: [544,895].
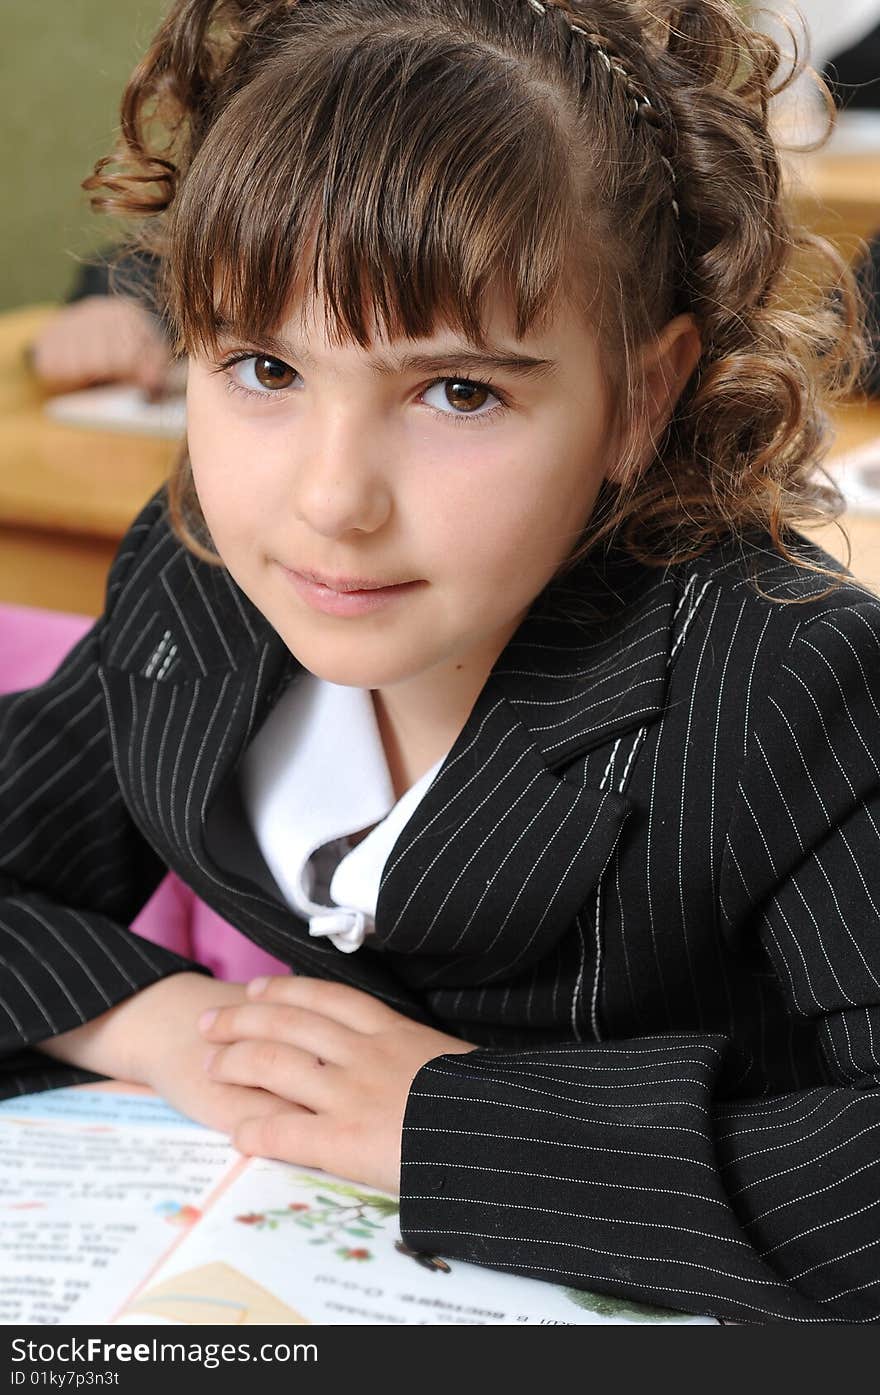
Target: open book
[114,1208]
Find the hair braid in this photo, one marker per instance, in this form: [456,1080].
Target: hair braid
[643,108]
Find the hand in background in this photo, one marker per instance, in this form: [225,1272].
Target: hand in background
[102,339]
[341,1060]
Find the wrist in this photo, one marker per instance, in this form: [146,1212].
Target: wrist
[121,1043]
[155,1019]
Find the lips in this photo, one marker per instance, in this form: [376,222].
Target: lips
[348,596]
[344,584]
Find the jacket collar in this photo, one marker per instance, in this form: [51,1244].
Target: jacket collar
[508,843]
[589,662]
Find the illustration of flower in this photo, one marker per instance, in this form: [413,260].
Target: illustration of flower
[338,1211]
[186,1215]
[176,1214]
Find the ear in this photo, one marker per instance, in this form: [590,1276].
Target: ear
[665,365]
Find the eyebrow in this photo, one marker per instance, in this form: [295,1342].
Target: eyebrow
[461,358]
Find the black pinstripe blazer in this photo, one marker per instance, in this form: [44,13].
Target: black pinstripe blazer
[646,881]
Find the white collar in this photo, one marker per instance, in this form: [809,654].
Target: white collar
[315,772]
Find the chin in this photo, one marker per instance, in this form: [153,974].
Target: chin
[348,670]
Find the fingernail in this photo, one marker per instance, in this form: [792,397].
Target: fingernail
[207,1019]
[257,985]
[206,1064]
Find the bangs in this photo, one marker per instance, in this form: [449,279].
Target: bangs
[400,184]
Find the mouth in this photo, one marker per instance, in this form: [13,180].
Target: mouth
[345,585]
[349,595]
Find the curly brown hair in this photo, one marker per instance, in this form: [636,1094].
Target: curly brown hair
[409,155]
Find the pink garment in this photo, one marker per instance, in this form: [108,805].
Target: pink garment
[32,644]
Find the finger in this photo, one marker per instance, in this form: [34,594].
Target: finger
[232,1103]
[309,1031]
[151,370]
[55,359]
[348,1006]
[270,1065]
[99,359]
[147,349]
[114,341]
[293,1138]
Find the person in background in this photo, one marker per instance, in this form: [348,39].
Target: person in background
[869,282]
[109,331]
[853,77]
[853,73]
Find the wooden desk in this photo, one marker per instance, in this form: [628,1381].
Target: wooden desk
[837,195]
[67,495]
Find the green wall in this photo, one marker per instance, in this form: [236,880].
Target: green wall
[63,64]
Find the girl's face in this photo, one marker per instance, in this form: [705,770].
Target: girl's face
[461,484]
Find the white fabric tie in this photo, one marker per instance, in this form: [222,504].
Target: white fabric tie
[345,929]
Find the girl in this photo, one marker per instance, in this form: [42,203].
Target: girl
[471,664]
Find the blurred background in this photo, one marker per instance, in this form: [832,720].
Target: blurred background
[62,69]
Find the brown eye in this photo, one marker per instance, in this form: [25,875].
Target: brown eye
[465,396]
[272,373]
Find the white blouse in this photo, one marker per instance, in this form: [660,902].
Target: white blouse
[315,774]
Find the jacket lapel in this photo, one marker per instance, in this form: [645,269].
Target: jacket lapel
[510,840]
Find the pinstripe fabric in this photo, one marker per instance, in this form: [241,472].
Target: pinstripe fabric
[645,881]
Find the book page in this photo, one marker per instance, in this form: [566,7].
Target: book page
[97,1183]
[283,1244]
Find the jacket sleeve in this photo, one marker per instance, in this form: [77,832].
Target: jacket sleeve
[74,869]
[632,1167]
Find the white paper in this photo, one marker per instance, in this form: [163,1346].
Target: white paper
[120,407]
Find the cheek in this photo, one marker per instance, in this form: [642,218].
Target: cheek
[221,488]
[230,491]
[505,518]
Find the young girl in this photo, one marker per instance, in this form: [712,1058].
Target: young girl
[471,664]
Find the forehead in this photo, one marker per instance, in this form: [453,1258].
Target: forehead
[327,169]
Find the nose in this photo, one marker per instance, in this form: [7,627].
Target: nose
[340,484]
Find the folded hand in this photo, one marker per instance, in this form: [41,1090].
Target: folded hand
[342,1059]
